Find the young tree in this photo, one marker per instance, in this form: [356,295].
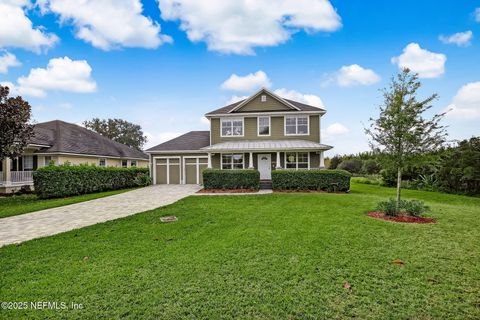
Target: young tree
[118,130]
[401,132]
[15,127]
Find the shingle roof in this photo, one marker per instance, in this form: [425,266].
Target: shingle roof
[270,145]
[299,105]
[193,140]
[64,137]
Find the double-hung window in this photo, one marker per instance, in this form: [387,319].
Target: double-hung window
[263,126]
[232,127]
[102,162]
[232,161]
[296,160]
[27,163]
[296,125]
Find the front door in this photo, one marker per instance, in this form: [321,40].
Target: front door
[265,166]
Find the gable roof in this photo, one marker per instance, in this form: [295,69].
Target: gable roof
[293,105]
[63,137]
[193,140]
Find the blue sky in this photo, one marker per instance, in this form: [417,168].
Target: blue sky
[164,64]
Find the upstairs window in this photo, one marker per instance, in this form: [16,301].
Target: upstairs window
[296,125]
[263,126]
[232,127]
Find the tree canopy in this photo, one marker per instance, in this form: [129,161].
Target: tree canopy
[119,130]
[15,127]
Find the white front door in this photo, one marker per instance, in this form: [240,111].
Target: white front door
[265,166]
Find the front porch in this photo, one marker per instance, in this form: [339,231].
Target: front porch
[16,173]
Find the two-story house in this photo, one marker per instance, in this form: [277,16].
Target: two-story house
[264,132]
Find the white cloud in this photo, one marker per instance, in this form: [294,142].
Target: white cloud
[461,39]
[336,129]
[353,75]
[466,103]
[8,60]
[427,64]
[156,138]
[248,83]
[477,14]
[60,74]
[309,99]
[237,26]
[16,29]
[108,24]
[204,121]
[235,98]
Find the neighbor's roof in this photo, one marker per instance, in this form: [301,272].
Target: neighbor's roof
[299,105]
[64,137]
[193,140]
[267,145]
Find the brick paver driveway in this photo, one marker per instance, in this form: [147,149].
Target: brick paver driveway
[47,222]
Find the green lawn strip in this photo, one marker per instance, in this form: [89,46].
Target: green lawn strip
[266,256]
[15,205]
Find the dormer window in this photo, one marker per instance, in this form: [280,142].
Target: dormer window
[232,127]
[263,98]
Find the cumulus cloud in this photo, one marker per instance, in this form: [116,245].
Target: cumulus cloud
[427,64]
[250,82]
[461,39]
[8,60]
[353,75]
[466,103]
[61,74]
[156,138]
[236,98]
[237,26]
[17,30]
[309,99]
[108,24]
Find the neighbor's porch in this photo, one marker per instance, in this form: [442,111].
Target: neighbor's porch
[17,172]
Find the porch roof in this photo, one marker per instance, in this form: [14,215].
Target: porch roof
[267,145]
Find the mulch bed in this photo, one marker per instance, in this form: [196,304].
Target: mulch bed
[227,191]
[404,219]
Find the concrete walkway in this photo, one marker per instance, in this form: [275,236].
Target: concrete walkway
[48,222]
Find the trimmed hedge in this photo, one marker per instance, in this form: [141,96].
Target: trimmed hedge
[326,180]
[231,179]
[66,180]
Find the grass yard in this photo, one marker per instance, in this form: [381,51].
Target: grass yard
[274,256]
[15,205]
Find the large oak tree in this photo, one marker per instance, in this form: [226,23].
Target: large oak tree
[119,130]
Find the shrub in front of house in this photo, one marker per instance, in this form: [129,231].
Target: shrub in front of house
[216,179]
[320,180]
[66,180]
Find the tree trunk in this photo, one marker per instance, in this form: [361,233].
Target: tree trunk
[399,184]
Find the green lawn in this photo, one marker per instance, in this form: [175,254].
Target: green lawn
[274,256]
[14,205]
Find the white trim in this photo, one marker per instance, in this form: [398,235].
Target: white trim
[233,136]
[296,126]
[154,164]
[34,145]
[232,153]
[269,126]
[270,113]
[197,164]
[177,151]
[98,162]
[84,155]
[280,99]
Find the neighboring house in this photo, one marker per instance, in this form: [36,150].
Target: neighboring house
[264,131]
[62,142]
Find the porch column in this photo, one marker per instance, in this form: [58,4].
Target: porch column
[7,175]
[322,161]
[209,165]
[250,161]
[279,163]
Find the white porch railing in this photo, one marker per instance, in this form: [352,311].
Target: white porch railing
[21,176]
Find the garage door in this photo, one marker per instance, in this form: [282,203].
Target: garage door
[167,171]
[193,168]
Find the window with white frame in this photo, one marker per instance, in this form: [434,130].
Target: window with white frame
[124,163]
[232,127]
[27,163]
[102,162]
[232,161]
[133,163]
[296,125]
[296,160]
[263,126]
